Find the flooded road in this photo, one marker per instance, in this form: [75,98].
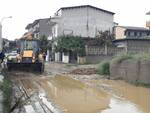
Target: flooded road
[108,96]
[75,97]
[138,98]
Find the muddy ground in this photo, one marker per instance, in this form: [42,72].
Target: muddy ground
[69,88]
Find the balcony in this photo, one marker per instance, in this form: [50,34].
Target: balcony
[36,30]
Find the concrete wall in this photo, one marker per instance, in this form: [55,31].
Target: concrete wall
[84,22]
[65,58]
[131,71]
[97,59]
[57,57]
[44,28]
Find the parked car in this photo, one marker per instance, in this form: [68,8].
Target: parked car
[12,56]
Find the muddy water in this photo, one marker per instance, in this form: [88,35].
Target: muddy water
[137,97]
[114,97]
[74,97]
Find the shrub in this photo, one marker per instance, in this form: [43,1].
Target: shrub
[121,57]
[7,91]
[145,56]
[103,68]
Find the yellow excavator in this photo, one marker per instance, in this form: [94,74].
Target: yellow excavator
[29,57]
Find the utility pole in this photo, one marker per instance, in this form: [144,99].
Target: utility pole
[1,37]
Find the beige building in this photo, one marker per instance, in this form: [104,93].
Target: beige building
[122,32]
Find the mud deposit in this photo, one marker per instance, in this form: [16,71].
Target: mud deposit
[105,96]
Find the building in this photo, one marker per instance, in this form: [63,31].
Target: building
[84,21]
[148,22]
[122,32]
[39,28]
[132,45]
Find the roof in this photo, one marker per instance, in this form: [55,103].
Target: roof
[28,26]
[83,6]
[126,39]
[148,13]
[35,22]
[135,28]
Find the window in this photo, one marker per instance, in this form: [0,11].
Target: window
[135,33]
[140,34]
[128,33]
[148,34]
[125,33]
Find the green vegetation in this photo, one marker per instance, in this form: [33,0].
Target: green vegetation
[69,43]
[44,43]
[103,68]
[6,87]
[121,57]
[105,38]
[141,84]
[145,56]
[136,57]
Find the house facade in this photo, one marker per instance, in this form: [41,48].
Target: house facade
[39,28]
[134,45]
[130,37]
[84,21]
[122,32]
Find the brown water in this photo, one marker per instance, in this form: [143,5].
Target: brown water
[138,98]
[118,97]
[74,97]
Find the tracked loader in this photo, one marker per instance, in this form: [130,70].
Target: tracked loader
[29,57]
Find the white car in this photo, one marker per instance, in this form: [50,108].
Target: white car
[12,56]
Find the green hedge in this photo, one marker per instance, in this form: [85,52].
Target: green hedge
[103,68]
[121,57]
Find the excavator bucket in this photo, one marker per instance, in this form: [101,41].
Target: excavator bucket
[28,67]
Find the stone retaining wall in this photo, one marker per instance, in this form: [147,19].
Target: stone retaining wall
[131,71]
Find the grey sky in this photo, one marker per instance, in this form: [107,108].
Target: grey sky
[128,12]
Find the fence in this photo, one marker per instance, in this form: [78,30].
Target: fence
[98,51]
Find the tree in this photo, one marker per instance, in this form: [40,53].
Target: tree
[44,44]
[70,43]
[105,38]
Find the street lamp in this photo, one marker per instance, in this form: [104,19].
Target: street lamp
[1,38]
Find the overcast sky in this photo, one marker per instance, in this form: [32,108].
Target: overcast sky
[128,12]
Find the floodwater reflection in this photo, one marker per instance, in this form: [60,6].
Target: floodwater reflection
[75,97]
